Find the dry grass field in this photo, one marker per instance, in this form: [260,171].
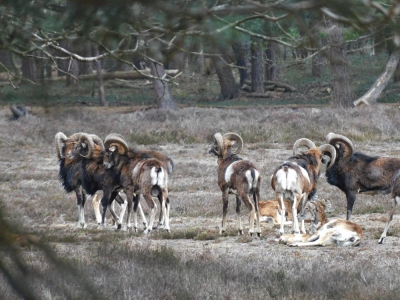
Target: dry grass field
[45,256]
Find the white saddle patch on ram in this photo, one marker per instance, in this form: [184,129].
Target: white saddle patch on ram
[136,170]
[229,171]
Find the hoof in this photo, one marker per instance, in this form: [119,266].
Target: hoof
[259,234]
[380,241]
[82,226]
[119,226]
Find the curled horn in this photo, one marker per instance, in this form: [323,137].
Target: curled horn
[331,150]
[115,139]
[220,141]
[333,138]
[98,141]
[75,137]
[60,140]
[303,142]
[87,139]
[234,137]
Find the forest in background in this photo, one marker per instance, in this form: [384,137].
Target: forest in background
[253,48]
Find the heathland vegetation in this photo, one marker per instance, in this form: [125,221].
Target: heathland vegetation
[48,257]
[272,72]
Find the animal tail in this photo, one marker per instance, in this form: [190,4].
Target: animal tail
[158,176]
[252,178]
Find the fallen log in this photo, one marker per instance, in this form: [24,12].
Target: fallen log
[127,75]
[278,84]
[379,85]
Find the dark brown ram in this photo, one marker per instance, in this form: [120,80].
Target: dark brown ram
[138,173]
[357,173]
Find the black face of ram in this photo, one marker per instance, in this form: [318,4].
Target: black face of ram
[108,160]
[214,149]
[74,152]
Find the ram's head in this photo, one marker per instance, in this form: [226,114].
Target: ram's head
[226,145]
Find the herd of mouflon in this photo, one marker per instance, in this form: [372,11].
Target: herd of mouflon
[89,165]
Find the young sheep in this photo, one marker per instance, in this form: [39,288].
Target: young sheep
[315,212]
[236,176]
[296,179]
[137,173]
[270,210]
[395,184]
[70,173]
[337,232]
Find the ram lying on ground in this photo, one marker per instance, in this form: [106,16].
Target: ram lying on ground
[337,232]
[357,173]
[236,176]
[296,178]
[314,212]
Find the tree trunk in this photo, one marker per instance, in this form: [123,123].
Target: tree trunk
[272,64]
[102,97]
[375,91]
[396,75]
[29,68]
[316,43]
[161,88]
[229,89]
[257,66]
[341,93]
[69,66]
[86,68]
[241,51]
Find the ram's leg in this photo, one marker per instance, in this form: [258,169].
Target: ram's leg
[351,198]
[225,195]
[295,224]
[395,201]
[96,207]
[115,217]
[283,213]
[167,207]
[161,220]
[144,219]
[123,204]
[80,198]
[307,244]
[129,197]
[104,203]
[163,198]
[153,209]
[256,198]
[252,210]
[136,205]
[239,219]
[303,203]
